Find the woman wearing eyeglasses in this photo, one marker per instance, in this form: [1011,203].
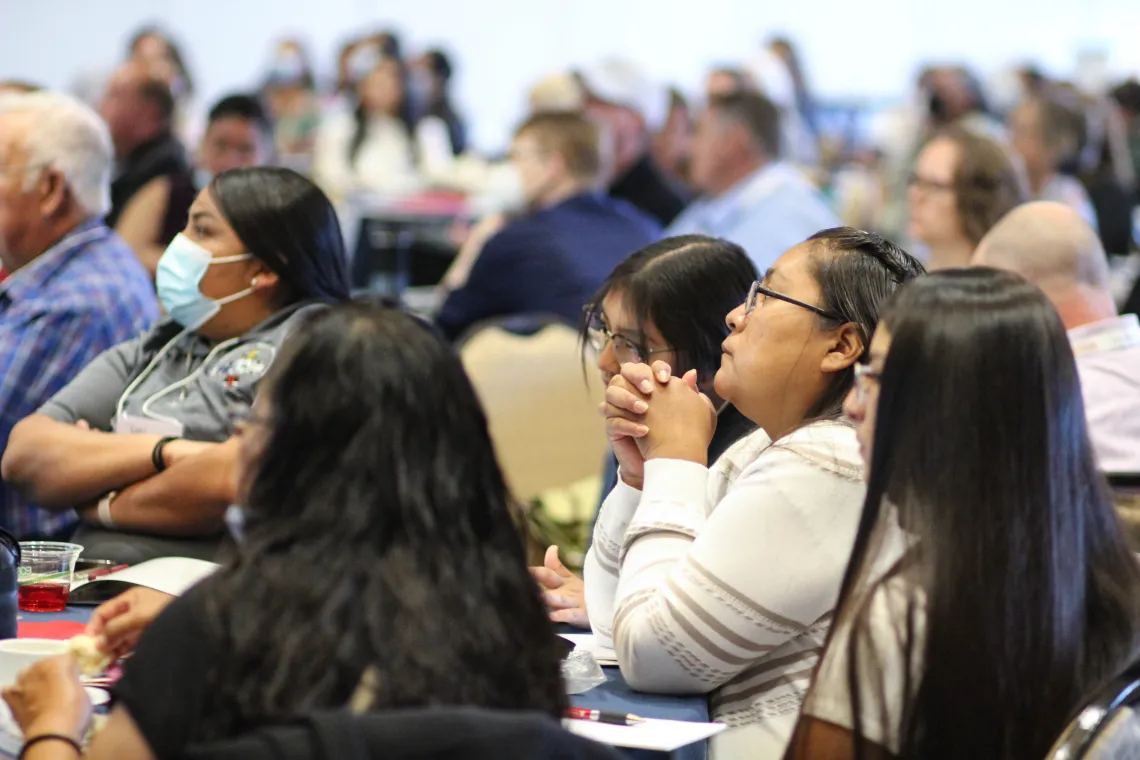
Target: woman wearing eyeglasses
[665,302]
[723,580]
[962,184]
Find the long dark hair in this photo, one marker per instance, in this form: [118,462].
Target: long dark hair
[378,537]
[684,285]
[172,49]
[405,112]
[857,272]
[287,222]
[1017,563]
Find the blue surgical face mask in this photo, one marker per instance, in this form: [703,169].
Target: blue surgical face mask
[235,523]
[180,270]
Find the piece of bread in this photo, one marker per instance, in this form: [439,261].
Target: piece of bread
[91,661]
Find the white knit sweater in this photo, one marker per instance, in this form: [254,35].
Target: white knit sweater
[723,580]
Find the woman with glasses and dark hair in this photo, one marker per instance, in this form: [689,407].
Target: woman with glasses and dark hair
[139,443]
[990,590]
[380,564]
[665,302]
[723,580]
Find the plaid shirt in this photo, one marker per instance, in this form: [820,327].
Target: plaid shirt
[77,299]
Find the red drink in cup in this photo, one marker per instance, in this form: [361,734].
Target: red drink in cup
[45,575]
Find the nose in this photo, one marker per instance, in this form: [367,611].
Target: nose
[853,405]
[735,318]
[607,361]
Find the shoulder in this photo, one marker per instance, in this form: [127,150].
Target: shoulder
[827,446]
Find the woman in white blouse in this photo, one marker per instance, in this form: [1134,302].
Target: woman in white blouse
[377,147]
[722,580]
[1014,594]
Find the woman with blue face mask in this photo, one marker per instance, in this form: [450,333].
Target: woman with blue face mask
[139,443]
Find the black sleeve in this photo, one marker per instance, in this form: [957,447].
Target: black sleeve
[164,685]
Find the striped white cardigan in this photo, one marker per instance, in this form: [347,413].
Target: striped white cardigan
[723,581]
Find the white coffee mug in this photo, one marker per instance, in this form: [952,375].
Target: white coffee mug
[18,654]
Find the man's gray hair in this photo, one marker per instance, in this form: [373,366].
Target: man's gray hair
[71,138]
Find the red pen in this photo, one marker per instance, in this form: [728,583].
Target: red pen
[105,571]
[600,716]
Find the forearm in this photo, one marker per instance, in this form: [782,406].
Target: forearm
[602,561]
[656,544]
[59,466]
[188,499]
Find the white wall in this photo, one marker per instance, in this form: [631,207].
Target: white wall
[871,47]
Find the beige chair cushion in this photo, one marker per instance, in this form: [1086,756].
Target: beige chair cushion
[541,409]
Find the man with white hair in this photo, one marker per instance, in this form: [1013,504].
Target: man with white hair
[630,107]
[1053,247]
[74,288]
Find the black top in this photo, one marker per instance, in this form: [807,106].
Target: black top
[164,685]
[646,187]
[163,156]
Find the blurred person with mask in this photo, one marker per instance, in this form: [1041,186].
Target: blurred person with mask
[1046,135]
[238,136]
[750,197]
[75,289]
[961,185]
[552,259]
[290,91]
[431,86]
[152,190]
[630,108]
[1053,247]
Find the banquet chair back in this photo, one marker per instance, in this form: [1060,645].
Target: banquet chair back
[1125,489]
[419,734]
[1108,726]
[541,407]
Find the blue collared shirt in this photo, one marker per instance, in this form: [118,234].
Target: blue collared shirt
[766,213]
[77,299]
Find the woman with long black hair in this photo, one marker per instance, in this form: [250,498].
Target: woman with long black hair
[379,561]
[990,589]
[379,146]
[139,442]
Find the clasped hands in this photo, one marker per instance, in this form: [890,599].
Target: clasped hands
[652,415]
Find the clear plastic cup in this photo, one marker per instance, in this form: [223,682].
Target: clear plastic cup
[45,575]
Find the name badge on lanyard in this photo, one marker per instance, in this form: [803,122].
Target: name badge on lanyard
[127,423]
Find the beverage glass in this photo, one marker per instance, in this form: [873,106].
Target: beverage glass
[45,575]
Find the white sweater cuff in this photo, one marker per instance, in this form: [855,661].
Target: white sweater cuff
[675,481]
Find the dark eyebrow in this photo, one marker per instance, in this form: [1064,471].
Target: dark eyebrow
[198,215]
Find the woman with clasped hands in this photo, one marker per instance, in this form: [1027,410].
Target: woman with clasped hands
[723,580]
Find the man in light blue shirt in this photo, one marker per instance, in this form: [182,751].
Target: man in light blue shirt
[749,196]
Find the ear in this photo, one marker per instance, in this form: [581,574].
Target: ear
[847,345]
[263,278]
[51,188]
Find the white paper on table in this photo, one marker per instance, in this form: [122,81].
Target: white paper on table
[174,575]
[589,643]
[659,735]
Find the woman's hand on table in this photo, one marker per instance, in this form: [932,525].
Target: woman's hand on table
[118,623]
[564,592]
[48,698]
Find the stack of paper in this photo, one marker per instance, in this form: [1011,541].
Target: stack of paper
[173,575]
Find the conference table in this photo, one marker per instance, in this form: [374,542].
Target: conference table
[614,695]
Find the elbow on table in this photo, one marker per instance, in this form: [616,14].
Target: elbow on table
[640,657]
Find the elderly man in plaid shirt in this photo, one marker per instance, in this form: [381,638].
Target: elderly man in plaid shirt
[74,288]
